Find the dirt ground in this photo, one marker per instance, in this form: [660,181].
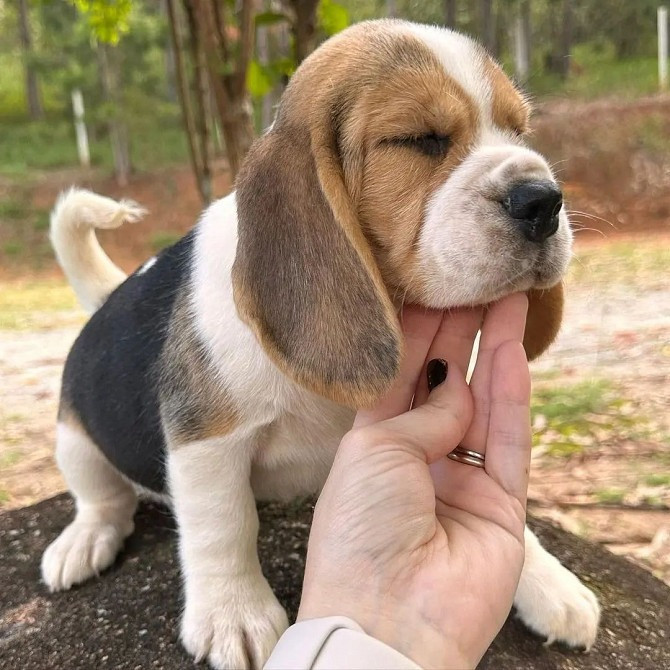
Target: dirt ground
[602,393]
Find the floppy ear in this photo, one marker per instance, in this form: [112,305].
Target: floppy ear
[545,313]
[304,276]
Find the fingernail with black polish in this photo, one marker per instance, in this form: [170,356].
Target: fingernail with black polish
[436,371]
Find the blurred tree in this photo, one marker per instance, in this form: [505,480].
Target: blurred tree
[227,40]
[522,41]
[193,98]
[224,77]
[108,56]
[303,26]
[450,13]
[33,98]
[486,19]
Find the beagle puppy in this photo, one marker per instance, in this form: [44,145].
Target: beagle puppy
[227,368]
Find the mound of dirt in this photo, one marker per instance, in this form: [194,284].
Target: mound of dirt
[127,619]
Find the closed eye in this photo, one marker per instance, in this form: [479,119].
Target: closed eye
[430,144]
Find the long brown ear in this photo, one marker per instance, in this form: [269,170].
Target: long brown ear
[545,313]
[304,277]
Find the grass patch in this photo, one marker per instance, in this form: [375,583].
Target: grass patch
[163,239]
[36,146]
[610,495]
[13,248]
[23,305]
[657,480]
[13,209]
[597,72]
[654,501]
[4,496]
[624,262]
[10,458]
[569,419]
[653,134]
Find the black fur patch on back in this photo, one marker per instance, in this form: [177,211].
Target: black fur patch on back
[111,380]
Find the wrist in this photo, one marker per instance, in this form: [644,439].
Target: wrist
[405,632]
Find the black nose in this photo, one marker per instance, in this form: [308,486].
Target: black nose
[535,205]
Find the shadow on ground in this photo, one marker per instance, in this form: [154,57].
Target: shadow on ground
[127,619]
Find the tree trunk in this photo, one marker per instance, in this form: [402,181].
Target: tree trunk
[522,42]
[33,99]
[450,13]
[227,73]
[304,27]
[171,75]
[195,122]
[566,39]
[118,132]
[487,24]
[263,49]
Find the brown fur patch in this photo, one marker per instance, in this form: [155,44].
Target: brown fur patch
[509,109]
[194,404]
[545,313]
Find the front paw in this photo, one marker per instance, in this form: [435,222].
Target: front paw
[233,625]
[552,602]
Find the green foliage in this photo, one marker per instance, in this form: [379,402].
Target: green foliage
[157,140]
[262,78]
[653,134]
[13,248]
[610,496]
[259,80]
[108,19]
[568,419]
[269,18]
[657,480]
[36,145]
[635,262]
[163,239]
[28,305]
[12,209]
[42,221]
[333,17]
[597,72]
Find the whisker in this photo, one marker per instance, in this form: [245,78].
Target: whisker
[582,229]
[594,217]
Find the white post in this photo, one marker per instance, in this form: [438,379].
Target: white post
[521,56]
[663,48]
[80,128]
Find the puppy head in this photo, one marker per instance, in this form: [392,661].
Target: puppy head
[395,171]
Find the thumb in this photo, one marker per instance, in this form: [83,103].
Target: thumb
[436,427]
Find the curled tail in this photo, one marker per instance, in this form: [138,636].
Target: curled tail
[90,271]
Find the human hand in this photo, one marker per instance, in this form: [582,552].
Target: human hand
[423,552]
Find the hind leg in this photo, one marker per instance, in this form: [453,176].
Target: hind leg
[106,504]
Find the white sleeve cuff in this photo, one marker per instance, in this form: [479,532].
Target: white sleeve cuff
[334,643]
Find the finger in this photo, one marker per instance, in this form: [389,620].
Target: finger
[419,326]
[505,320]
[509,439]
[453,343]
[435,428]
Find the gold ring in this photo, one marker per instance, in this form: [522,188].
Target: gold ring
[467,457]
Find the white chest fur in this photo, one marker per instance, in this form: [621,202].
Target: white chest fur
[293,432]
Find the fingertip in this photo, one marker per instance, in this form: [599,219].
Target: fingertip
[454,393]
